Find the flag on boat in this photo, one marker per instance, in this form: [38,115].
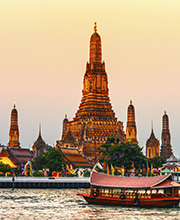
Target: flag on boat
[64,172]
[112,169]
[72,171]
[22,170]
[67,168]
[107,169]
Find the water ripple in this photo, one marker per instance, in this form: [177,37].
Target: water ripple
[27,204]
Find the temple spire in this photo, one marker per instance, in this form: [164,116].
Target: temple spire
[152,145]
[131,132]
[95,47]
[166,148]
[14,131]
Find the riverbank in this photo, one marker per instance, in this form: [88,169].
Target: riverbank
[46,182]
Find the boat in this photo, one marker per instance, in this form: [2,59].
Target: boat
[158,191]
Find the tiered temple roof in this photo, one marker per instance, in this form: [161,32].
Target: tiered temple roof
[152,146]
[18,156]
[39,146]
[75,157]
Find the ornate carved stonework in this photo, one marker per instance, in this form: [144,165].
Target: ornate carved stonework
[14,131]
[95,119]
[166,148]
[39,146]
[152,146]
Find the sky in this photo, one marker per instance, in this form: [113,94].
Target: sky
[44,47]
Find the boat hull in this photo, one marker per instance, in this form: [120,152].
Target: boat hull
[142,202]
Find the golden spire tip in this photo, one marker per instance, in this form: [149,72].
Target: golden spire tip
[131,100]
[95,27]
[14,104]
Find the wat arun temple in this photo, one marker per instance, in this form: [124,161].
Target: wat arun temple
[95,119]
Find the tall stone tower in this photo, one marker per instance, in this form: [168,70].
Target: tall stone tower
[95,118]
[14,131]
[152,146]
[131,133]
[65,121]
[166,148]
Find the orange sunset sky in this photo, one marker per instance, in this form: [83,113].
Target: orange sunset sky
[44,47]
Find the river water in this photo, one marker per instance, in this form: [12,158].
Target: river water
[65,204]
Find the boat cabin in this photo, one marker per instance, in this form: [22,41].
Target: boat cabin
[139,191]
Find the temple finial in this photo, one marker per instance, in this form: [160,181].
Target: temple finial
[165,111]
[95,27]
[14,104]
[39,129]
[65,115]
[152,125]
[131,101]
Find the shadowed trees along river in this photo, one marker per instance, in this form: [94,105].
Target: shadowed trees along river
[121,154]
[4,168]
[53,160]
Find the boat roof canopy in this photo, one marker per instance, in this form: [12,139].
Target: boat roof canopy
[109,181]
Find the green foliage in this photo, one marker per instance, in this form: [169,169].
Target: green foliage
[2,174]
[156,161]
[9,174]
[151,174]
[99,170]
[122,154]
[116,173]
[53,160]
[17,171]
[70,175]
[38,163]
[5,168]
[86,173]
[38,174]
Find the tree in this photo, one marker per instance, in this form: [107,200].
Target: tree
[104,150]
[5,168]
[53,160]
[17,171]
[38,163]
[156,161]
[121,154]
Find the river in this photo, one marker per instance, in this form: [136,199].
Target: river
[25,204]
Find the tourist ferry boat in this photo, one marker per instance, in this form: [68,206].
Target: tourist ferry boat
[159,191]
